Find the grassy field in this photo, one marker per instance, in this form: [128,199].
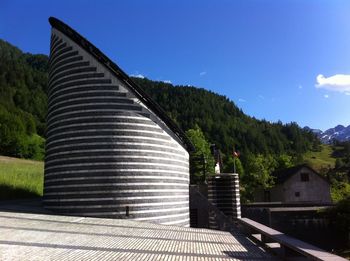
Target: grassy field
[320,159]
[20,178]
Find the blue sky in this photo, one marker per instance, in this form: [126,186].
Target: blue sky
[277,60]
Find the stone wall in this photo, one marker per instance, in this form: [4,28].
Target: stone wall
[107,154]
[223,192]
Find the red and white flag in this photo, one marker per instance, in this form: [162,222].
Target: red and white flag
[235,153]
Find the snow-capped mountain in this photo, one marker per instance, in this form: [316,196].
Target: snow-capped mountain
[340,133]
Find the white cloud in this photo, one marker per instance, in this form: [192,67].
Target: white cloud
[241,100]
[167,81]
[326,96]
[338,82]
[202,73]
[137,75]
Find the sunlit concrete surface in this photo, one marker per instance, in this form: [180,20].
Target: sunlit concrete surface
[31,236]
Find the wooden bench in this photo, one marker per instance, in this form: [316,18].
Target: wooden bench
[289,246]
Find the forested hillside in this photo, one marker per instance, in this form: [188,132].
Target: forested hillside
[225,124]
[23,79]
[23,82]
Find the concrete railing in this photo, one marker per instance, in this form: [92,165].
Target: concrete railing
[289,248]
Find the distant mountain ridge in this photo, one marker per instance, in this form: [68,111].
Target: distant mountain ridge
[339,132]
[23,109]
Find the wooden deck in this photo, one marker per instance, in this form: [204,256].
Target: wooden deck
[33,236]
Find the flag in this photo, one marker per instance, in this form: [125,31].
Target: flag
[235,153]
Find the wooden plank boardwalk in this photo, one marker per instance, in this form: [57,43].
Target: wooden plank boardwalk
[31,236]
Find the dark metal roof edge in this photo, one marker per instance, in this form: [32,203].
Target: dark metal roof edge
[120,74]
[283,175]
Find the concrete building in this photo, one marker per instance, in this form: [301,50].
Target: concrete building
[111,151]
[297,184]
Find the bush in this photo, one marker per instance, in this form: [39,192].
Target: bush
[340,191]
[17,138]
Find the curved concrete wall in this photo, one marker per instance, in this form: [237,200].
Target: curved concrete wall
[107,155]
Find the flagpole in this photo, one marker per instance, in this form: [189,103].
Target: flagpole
[234,165]
[234,160]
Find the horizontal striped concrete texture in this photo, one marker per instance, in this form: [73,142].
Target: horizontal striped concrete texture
[107,154]
[223,192]
[25,236]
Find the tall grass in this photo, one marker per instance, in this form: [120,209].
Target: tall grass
[20,178]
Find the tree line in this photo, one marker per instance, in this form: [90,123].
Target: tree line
[207,118]
[23,102]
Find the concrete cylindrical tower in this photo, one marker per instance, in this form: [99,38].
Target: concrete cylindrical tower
[109,152]
[223,192]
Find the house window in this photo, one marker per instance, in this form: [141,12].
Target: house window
[297,194]
[304,177]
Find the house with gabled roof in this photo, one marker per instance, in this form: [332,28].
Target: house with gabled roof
[297,184]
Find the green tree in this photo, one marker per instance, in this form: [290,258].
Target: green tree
[258,171]
[23,87]
[340,219]
[201,161]
[229,164]
[224,124]
[23,83]
[284,161]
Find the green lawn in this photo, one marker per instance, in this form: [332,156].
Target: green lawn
[20,178]
[320,159]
